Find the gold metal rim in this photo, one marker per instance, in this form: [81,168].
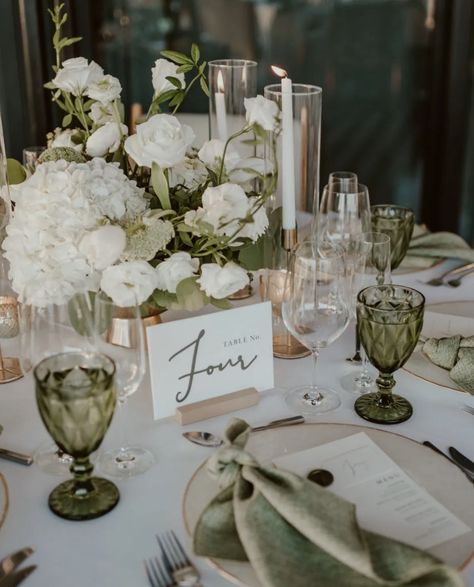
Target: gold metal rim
[232,578]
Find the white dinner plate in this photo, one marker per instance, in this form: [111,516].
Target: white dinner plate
[443,480]
[419,364]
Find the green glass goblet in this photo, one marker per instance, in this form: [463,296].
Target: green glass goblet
[389,322]
[398,223]
[75,393]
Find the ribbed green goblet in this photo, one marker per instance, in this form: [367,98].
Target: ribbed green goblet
[398,223]
[389,321]
[75,393]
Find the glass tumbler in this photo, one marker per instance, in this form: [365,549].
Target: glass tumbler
[397,223]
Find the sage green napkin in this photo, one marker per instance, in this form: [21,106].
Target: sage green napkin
[456,354]
[297,534]
[425,247]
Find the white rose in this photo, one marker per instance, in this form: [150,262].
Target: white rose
[221,282]
[77,74]
[261,111]
[129,284]
[64,139]
[104,90]
[255,229]
[106,139]
[163,69]
[103,247]
[101,113]
[161,139]
[222,207]
[211,155]
[247,169]
[178,267]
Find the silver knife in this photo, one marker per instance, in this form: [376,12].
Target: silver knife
[16,457]
[436,449]
[461,459]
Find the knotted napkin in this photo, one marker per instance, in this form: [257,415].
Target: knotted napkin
[297,534]
[425,247]
[456,354]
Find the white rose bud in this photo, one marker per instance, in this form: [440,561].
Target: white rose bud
[221,282]
[64,139]
[178,267]
[129,284]
[161,139]
[261,111]
[104,246]
[106,139]
[211,155]
[163,69]
[104,90]
[77,74]
[101,113]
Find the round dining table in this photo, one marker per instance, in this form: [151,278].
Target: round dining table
[110,551]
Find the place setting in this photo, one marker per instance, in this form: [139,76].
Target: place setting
[237,336]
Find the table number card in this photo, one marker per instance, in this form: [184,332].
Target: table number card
[207,356]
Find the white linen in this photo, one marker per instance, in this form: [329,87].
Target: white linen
[109,551]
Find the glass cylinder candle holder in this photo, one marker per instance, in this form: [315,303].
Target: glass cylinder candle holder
[299,140]
[230,82]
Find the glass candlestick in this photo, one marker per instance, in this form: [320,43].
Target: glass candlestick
[230,82]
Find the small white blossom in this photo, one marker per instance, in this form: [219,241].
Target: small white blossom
[174,269]
[211,155]
[146,237]
[129,284]
[105,89]
[101,113]
[106,139]
[64,138]
[103,246]
[161,70]
[76,75]
[261,111]
[221,282]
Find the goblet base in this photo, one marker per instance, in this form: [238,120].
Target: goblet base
[127,462]
[312,401]
[66,502]
[370,407]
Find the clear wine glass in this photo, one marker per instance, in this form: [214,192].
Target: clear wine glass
[348,180]
[119,333]
[51,330]
[316,312]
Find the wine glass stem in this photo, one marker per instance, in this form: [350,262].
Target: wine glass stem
[81,469]
[385,383]
[123,427]
[316,394]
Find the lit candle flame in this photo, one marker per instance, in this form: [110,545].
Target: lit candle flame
[279,71]
[220,82]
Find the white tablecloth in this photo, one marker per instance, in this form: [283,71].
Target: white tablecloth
[110,551]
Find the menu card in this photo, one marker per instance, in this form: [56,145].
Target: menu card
[388,501]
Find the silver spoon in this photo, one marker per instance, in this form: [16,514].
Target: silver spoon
[209,439]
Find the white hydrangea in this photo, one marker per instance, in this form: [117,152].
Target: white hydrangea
[54,209]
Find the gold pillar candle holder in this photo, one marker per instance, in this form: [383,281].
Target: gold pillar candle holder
[10,367]
[273,288]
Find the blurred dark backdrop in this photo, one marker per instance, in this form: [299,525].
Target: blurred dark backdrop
[397,78]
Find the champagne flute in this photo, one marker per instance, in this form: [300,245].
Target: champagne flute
[368,263]
[316,313]
[119,333]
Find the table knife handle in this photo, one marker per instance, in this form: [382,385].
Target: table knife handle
[16,457]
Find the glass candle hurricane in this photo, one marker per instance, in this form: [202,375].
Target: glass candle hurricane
[75,393]
[230,82]
[389,321]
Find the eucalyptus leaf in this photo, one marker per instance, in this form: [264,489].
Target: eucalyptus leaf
[15,171]
[160,186]
[177,57]
[190,297]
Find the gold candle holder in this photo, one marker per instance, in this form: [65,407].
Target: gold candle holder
[10,368]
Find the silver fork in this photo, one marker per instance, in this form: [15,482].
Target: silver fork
[157,574]
[177,562]
[456,271]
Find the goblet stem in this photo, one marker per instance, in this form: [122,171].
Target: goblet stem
[81,470]
[122,453]
[315,396]
[385,383]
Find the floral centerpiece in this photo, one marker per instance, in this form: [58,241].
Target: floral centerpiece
[146,218]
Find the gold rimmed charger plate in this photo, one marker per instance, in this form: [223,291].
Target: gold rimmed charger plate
[4,499]
[443,480]
[419,364]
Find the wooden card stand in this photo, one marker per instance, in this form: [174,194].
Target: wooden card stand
[217,406]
